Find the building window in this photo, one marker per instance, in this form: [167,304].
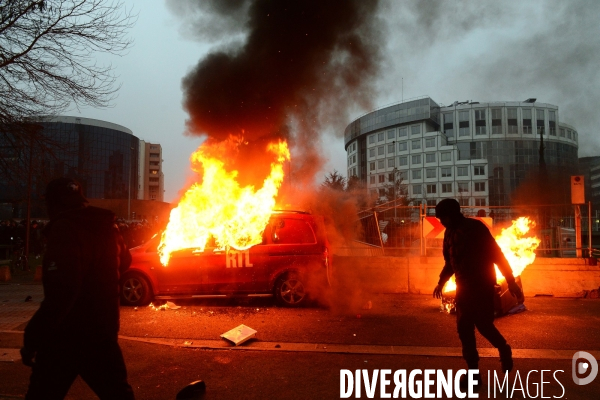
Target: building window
[496,121]
[154,172]
[479,170]
[391,177]
[153,163]
[372,153]
[479,187]
[381,178]
[402,132]
[569,134]
[417,189]
[446,187]
[416,159]
[380,151]
[153,179]
[447,156]
[154,155]
[431,202]
[511,114]
[480,122]
[430,158]
[430,173]
[416,144]
[415,130]
[380,164]
[430,142]
[371,139]
[463,187]
[390,163]
[562,132]
[353,158]
[446,172]
[462,171]
[372,166]
[380,137]
[541,121]
[527,127]
[416,174]
[372,179]
[402,146]
[391,148]
[391,134]
[449,124]
[480,202]
[402,161]
[552,122]
[463,202]
[463,123]
[381,192]
[431,188]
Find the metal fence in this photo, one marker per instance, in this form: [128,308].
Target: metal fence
[398,230]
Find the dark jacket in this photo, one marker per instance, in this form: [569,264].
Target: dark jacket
[470,252]
[84,256]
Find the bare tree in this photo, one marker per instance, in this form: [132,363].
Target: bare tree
[48,64]
[48,50]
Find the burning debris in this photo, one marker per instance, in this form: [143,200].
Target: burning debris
[520,252]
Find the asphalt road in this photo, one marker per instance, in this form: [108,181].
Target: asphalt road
[298,353]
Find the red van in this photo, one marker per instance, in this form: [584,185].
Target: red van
[292,262]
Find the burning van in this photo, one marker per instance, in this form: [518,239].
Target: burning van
[292,262]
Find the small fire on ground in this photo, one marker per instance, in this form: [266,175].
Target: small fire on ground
[218,207]
[518,249]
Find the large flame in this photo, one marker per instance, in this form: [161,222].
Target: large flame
[218,207]
[518,249]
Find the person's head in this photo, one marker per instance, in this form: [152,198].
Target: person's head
[63,194]
[448,212]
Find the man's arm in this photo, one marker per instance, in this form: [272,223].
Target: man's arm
[446,273]
[500,260]
[63,276]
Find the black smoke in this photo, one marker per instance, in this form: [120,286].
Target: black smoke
[298,68]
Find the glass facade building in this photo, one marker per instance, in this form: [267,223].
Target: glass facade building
[479,153]
[101,155]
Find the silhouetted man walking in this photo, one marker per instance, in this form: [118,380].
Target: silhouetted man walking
[470,252]
[75,330]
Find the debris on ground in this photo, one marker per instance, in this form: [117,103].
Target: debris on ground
[368,305]
[239,334]
[194,390]
[28,298]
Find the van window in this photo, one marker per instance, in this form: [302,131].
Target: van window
[291,231]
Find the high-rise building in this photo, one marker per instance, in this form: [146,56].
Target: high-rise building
[151,185]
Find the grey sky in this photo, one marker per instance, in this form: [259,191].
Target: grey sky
[449,50]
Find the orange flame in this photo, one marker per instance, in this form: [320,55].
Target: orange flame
[518,249]
[218,207]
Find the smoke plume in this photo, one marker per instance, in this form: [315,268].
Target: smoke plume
[301,65]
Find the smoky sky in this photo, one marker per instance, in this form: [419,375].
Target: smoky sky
[503,51]
[282,68]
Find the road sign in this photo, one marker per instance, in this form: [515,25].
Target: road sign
[433,228]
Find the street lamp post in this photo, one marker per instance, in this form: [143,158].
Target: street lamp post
[129,190]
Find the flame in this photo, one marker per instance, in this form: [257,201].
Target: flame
[218,207]
[518,249]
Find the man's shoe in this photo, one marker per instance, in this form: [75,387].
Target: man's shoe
[506,358]
[464,382]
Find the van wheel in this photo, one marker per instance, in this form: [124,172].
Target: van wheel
[290,291]
[135,290]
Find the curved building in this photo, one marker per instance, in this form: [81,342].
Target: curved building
[479,153]
[101,155]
